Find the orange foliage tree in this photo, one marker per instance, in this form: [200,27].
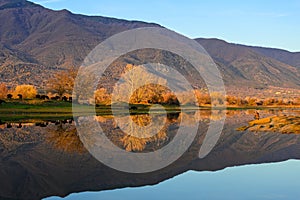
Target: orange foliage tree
[138,85]
[3,90]
[27,91]
[62,82]
[102,97]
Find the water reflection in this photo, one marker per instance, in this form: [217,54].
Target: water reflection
[46,158]
[140,141]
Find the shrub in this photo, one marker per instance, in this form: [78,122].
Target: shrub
[27,91]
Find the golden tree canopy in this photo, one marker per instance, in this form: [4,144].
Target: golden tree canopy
[138,85]
[27,91]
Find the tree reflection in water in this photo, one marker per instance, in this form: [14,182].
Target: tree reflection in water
[37,161]
[138,141]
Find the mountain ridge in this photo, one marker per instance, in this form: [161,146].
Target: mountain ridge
[244,63]
[285,56]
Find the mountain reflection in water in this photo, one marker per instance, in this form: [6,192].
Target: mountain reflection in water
[49,159]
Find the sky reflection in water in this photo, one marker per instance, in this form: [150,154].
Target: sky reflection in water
[263,181]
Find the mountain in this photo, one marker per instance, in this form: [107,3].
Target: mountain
[290,58]
[37,37]
[244,65]
[35,41]
[55,37]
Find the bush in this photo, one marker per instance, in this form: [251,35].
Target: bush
[27,91]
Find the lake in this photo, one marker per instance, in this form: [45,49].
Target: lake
[261,181]
[50,159]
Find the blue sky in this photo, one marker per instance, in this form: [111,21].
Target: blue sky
[258,22]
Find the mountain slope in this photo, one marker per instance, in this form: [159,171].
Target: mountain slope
[34,39]
[290,58]
[243,65]
[55,37]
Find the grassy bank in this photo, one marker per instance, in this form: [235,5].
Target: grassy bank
[280,124]
[40,109]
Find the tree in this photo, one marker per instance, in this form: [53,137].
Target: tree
[139,86]
[62,82]
[102,97]
[170,98]
[231,100]
[3,91]
[218,98]
[150,93]
[26,91]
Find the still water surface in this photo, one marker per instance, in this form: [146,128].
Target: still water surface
[48,160]
[261,181]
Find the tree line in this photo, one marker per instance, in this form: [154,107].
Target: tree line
[60,86]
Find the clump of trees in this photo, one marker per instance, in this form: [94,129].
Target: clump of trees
[25,92]
[19,92]
[252,101]
[139,86]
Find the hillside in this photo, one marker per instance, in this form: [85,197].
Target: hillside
[35,40]
[244,65]
[55,37]
[32,35]
[290,58]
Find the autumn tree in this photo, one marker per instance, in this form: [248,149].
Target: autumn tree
[27,91]
[138,85]
[217,98]
[102,97]
[3,91]
[231,100]
[251,101]
[170,98]
[62,82]
[150,93]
